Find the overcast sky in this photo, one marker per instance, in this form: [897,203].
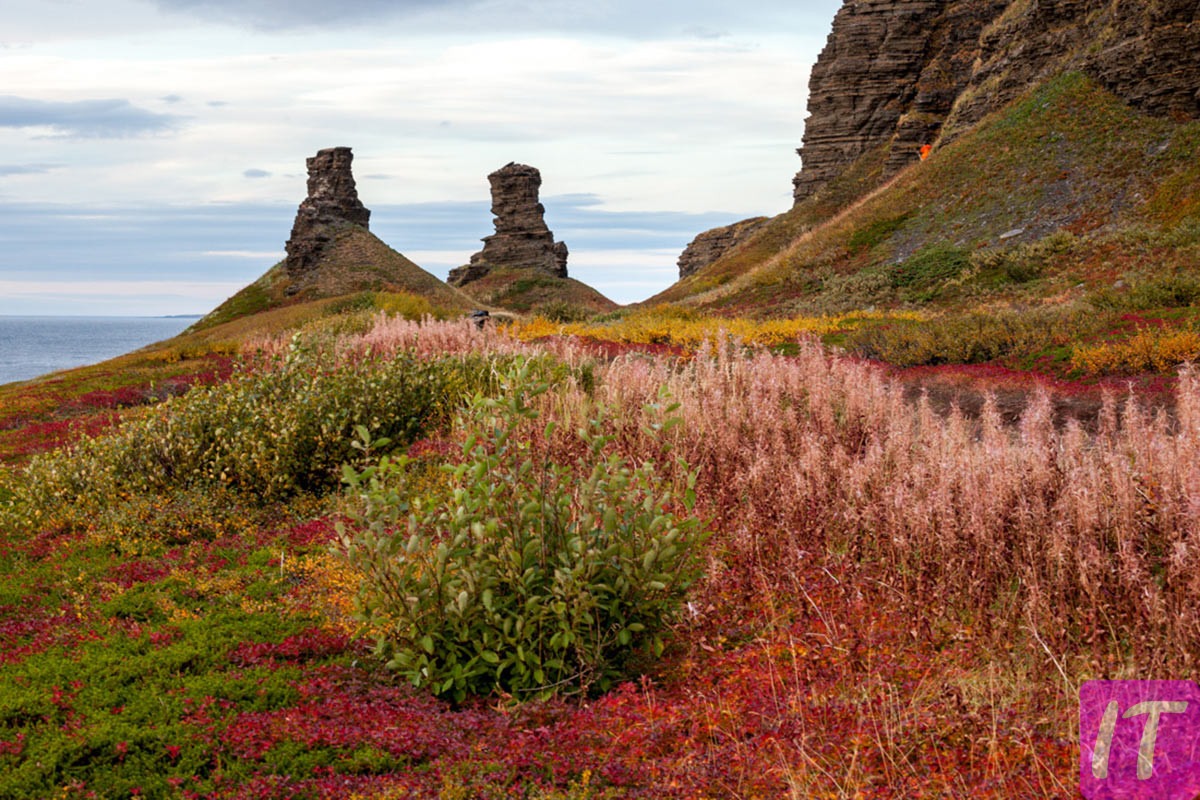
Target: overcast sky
[152,151]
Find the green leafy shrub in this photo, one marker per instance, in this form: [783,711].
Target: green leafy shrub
[1178,290]
[1024,262]
[877,232]
[268,434]
[515,573]
[930,265]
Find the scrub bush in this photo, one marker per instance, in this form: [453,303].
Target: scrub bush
[516,574]
[971,338]
[268,434]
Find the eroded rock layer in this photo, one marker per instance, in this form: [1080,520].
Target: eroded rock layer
[711,245]
[522,240]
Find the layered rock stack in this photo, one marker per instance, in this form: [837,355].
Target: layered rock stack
[522,240]
[896,75]
[711,245]
[332,203]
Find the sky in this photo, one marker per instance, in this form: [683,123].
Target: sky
[152,151]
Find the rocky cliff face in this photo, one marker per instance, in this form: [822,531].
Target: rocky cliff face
[332,201]
[890,72]
[900,74]
[522,240]
[711,245]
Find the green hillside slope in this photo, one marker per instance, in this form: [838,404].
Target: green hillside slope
[1065,192]
[355,261]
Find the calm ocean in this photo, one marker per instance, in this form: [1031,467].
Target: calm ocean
[33,346]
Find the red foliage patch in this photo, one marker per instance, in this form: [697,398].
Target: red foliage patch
[440,448]
[124,397]
[14,747]
[128,573]
[45,436]
[26,630]
[609,350]
[317,531]
[394,721]
[65,419]
[313,643]
[968,384]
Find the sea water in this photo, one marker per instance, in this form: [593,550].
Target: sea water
[33,346]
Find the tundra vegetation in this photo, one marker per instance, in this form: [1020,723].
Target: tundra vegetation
[398,560]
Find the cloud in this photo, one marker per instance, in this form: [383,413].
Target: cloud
[256,173]
[116,288]
[261,256]
[26,169]
[211,250]
[282,14]
[626,18]
[626,255]
[84,119]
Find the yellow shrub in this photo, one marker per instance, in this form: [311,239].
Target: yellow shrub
[404,304]
[687,328]
[1148,350]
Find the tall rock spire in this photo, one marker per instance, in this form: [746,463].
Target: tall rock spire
[522,240]
[332,202]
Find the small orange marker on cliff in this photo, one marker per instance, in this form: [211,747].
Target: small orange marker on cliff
[925,149]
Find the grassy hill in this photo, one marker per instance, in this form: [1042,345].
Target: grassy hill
[1065,193]
[531,291]
[354,261]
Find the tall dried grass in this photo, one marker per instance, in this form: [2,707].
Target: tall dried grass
[1087,543]
[428,338]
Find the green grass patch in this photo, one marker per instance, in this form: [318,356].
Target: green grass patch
[876,233]
[929,266]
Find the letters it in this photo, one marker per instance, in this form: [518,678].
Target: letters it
[1108,726]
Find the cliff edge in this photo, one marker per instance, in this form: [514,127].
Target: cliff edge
[897,76]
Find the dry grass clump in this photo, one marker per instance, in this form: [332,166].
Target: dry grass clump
[1083,541]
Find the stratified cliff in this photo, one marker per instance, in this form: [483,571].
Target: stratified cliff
[897,75]
[1062,142]
[710,245]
